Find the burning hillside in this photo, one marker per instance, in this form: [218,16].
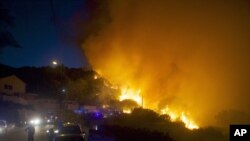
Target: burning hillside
[191,57]
[174,115]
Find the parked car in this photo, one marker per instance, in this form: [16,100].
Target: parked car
[69,137]
[67,129]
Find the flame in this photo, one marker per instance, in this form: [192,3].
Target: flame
[95,77]
[127,111]
[128,93]
[174,116]
[188,123]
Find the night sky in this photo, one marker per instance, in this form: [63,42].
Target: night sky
[40,31]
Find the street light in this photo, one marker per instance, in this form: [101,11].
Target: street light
[54,63]
[63,90]
[59,69]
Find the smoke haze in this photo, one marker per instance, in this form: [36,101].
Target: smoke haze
[190,55]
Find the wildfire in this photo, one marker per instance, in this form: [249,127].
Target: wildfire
[188,123]
[127,111]
[174,116]
[127,93]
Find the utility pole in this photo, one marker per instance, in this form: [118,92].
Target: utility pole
[142,101]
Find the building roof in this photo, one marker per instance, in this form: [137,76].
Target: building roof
[12,77]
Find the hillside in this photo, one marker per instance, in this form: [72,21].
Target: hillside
[73,83]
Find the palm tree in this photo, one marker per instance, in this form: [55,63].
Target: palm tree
[6,22]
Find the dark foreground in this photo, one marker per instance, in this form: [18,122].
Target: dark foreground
[18,134]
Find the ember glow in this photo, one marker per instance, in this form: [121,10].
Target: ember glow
[127,111]
[95,77]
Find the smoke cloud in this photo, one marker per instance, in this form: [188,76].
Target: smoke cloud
[190,55]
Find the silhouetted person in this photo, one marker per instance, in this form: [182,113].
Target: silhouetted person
[31,131]
[51,134]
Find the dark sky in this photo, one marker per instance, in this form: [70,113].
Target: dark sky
[40,31]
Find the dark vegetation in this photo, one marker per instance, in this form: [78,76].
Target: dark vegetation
[120,133]
[78,83]
[143,121]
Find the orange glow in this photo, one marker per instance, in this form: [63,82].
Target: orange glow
[95,77]
[174,116]
[127,93]
[104,106]
[188,123]
[177,56]
[126,111]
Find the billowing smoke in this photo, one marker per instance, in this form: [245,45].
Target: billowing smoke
[190,55]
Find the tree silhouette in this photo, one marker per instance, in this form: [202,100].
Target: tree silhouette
[128,104]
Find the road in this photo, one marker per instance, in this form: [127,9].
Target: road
[18,134]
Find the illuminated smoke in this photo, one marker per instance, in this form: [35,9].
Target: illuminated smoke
[192,56]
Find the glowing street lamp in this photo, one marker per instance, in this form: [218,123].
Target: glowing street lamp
[54,63]
[63,90]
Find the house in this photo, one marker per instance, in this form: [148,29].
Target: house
[13,89]
[12,85]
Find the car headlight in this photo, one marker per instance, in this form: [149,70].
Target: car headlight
[56,131]
[35,121]
[1,129]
